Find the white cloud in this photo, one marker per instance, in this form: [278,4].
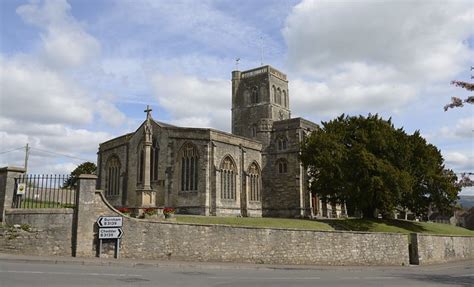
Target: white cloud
[464,129]
[459,161]
[65,43]
[36,93]
[373,56]
[194,101]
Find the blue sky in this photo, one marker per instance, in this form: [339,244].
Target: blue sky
[76,73]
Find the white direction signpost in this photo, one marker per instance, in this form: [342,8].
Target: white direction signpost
[110,221]
[110,233]
[109,228]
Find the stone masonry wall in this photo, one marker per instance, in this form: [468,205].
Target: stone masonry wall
[163,240]
[439,249]
[42,232]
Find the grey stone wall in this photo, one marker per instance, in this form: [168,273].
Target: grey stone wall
[42,232]
[41,218]
[439,249]
[162,240]
[154,240]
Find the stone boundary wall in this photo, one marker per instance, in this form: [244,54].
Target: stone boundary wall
[156,240]
[42,232]
[146,239]
[440,249]
[41,218]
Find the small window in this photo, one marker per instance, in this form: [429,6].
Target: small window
[282,166]
[255,98]
[253,131]
[282,143]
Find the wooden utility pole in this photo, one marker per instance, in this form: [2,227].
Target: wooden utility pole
[27,152]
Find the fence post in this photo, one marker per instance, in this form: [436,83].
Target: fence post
[83,223]
[7,187]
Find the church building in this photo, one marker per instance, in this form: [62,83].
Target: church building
[253,171]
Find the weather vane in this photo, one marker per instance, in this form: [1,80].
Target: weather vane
[237,64]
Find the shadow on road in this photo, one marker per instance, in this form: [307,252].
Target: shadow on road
[465,280]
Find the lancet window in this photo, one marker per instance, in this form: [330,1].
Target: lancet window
[189,167]
[112,176]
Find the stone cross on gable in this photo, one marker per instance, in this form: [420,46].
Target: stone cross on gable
[148,111]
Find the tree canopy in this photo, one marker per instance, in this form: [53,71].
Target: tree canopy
[84,168]
[372,166]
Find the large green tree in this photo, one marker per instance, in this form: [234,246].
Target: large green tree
[372,166]
[84,168]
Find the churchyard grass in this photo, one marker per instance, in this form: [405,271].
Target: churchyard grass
[397,226]
[351,224]
[264,222]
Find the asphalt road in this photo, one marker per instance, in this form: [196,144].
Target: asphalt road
[16,274]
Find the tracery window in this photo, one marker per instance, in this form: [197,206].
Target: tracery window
[228,178]
[254,182]
[282,166]
[112,176]
[189,167]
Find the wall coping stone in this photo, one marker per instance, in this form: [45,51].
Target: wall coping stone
[12,168]
[87,176]
[445,235]
[39,211]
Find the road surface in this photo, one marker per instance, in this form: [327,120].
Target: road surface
[27,274]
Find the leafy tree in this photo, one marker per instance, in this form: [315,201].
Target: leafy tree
[371,166]
[84,168]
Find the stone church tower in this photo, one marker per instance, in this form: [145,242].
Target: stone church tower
[261,111]
[259,98]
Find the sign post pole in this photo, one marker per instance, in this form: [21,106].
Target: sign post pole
[110,228]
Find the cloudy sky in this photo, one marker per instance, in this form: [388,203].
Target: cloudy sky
[76,73]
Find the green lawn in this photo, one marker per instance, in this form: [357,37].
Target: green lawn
[376,225]
[399,226]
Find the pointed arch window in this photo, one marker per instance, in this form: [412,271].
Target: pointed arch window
[282,143]
[253,131]
[112,176]
[189,167]
[282,165]
[278,98]
[274,94]
[154,160]
[285,99]
[228,178]
[255,98]
[254,182]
